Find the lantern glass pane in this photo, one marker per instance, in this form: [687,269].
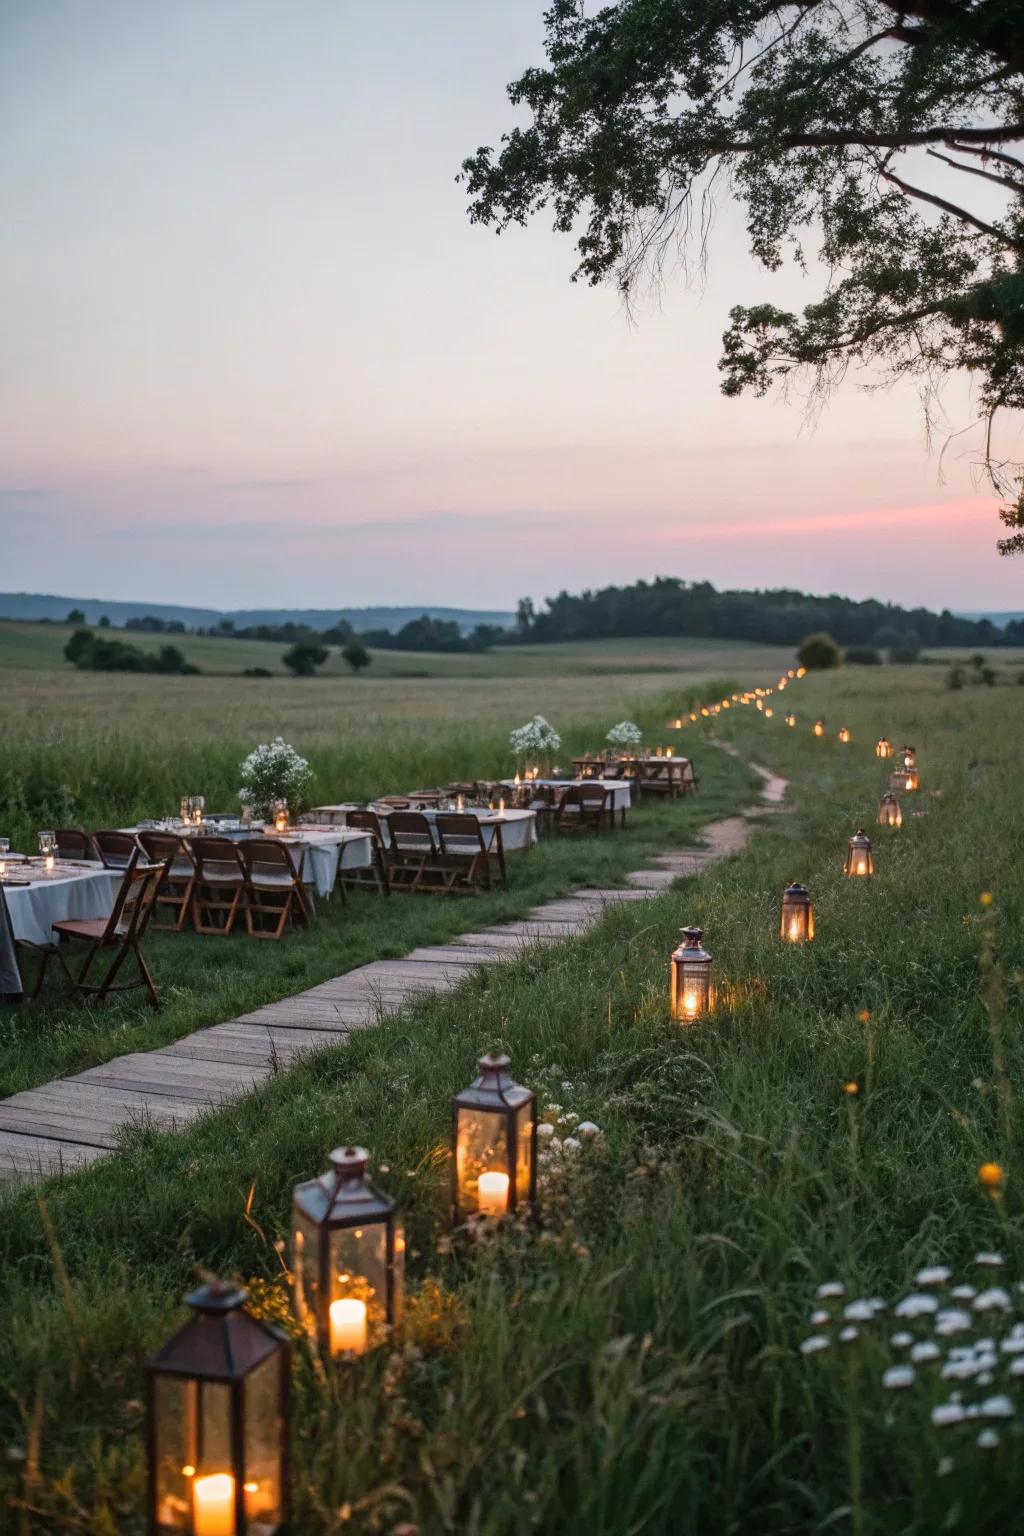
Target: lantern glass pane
[263,1440]
[481,1147]
[524,1150]
[691,988]
[306,1265]
[171,1453]
[359,1270]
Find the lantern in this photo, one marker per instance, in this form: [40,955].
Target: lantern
[889,813]
[797,923]
[883,747]
[768,711]
[692,992]
[791,719]
[801,671]
[759,704]
[908,756]
[279,815]
[819,727]
[348,1256]
[859,858]
[844,735]
[217,1401]
[494,1127]
[905,779]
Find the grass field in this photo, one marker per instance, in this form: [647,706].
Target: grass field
[635,1365]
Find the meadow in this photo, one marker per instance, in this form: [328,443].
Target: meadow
[634,1365]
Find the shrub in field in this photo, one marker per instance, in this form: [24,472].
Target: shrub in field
[304,658]
[625,734]
[955,678]
[818,653]
[274,771]
[862,656]
[356,655]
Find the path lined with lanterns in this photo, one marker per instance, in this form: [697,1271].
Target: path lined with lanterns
[70,1122]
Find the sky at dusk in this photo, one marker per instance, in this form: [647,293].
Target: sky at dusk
[254,353]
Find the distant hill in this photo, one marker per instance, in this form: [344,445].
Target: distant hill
[33,605]
[1000,620]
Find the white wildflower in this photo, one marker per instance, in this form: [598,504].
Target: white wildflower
[901,1340]
[938,1274]
[945,1466]
[988,1440]
[535,738]
[993,1300]
[588,1129]
[567,1087]
[847,1335]
[919,1304]
[625,734]
[963,1292]
[830,1289]
[952,1320]
[947,1413]
[571,1144]
[926,1350]
[899,1376]
[816,1343]
[821,1319]
[859,1312]
[1013,1344]
[1017,1366]
[545,1131]
[989,1260]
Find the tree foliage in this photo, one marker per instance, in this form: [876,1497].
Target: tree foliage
[304,657]
[839,121]
[818,653]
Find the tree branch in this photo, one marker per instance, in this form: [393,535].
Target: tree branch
[847,138]
[986,154]
[947,207]
[974,170]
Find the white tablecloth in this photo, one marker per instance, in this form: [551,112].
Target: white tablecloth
[518,828]
[57,898]
[318,849]
[621,789]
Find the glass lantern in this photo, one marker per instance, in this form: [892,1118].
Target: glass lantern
[768,711]
[797,922]
[819,727]
[692,991]
[348,1256]
[217,1402]
[889,813]
[791,719]
[883,747]
[859,858]
[844,735]
[905,779]
[494,1131]
[908,757]
[279,815]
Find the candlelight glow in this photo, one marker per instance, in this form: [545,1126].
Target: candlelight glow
[348,1326]
[492,1192]
[859,857]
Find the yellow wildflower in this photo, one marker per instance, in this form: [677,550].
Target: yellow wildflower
[851,1087]
[991,1175]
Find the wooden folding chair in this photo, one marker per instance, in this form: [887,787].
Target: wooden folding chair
[376,875]
[470,849]
[116,849]
[584,808]
[415,859]
[221,885]
[275,889]
[120,934]
[73,843]
[179,882]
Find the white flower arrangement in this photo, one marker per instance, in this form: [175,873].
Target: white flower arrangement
[625,734]
[534,739]
[274,771]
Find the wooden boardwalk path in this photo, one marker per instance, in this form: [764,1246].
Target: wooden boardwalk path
[71,1121]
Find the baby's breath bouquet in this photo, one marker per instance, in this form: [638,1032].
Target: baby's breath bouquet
[274,771]
[625,734]
[536,739]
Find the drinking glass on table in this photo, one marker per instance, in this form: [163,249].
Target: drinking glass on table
[5,848]
[48,849]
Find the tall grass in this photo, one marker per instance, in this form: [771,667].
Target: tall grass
[634,1367]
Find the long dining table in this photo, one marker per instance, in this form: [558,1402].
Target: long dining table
[315,848]
[518,827]
[34,898]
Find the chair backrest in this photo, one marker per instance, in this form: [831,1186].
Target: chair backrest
[593,795]
[133,904]
[460,833]
[73,843]
[269,857]
[116,849]
[217,858]
[615,770]
[166,848]
[367,821]
[410,832]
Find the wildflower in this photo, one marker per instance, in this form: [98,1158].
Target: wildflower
[816,1343]
[993,1300]
[820,1318]
[947,1413]
[830,1289]
[926,1350]
[1017,1366]
[847,1335]
[899,1376]
[963,1293]
[588,1129]
[952,1320]
[917,1305]
[988,1440]
[859,1312]
[999,1407]
[864,1016]
[938,1274]
[986,898]
[945,1466]
[851,1088]
[571,1144]
[990,1175]
[988,1260]
[901,1340]
[545,1131]
[567,1087]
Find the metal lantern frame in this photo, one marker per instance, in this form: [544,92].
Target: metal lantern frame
[890,813]
[796,902]
[905,779]
[496,1093]
[859,845]
[221,1346]
[819,727]
[883,747]
[691,957]
[908,757]
[844,734]
[341,1200]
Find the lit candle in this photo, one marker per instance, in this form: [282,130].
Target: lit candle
[460,802]
[691,1004]
[517,781]
[49,861]
[492,1193]
[348,1326]
[501,805]
[213,1505]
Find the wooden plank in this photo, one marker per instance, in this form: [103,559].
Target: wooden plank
[59,1128]
[41,1155]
